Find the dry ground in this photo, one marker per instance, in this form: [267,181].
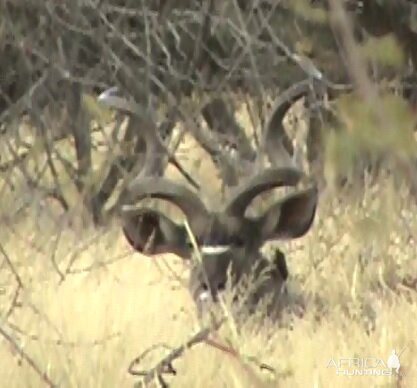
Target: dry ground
[89,305]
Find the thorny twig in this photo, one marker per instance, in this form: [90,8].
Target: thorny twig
[63,343]
[14,302]
[99,264]
[11,266]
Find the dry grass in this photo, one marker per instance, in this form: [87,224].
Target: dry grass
[351,268]
[90,305]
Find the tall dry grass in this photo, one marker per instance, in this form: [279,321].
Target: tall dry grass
[90,305]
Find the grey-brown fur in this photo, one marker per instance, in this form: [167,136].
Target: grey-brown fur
[229,241]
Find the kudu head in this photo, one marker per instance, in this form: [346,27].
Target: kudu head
[228,240]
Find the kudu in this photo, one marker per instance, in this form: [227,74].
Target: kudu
[228,240]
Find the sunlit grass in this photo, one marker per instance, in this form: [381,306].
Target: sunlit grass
[354,270]
[89,305]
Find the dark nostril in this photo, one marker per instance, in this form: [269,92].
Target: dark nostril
[204,287]
[237,241]
[221,286]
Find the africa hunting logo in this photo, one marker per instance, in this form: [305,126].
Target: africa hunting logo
[367,366]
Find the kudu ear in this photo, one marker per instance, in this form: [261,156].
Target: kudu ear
[150,232]
[290,217]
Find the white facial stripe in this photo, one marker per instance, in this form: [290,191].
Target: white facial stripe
[214,249]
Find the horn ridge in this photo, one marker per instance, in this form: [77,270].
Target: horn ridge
[284,102]
[155,148]
[264,181]
[162,188]
[276,142]
[114,99]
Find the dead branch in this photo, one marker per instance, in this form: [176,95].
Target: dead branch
[165,365]
[17,348]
